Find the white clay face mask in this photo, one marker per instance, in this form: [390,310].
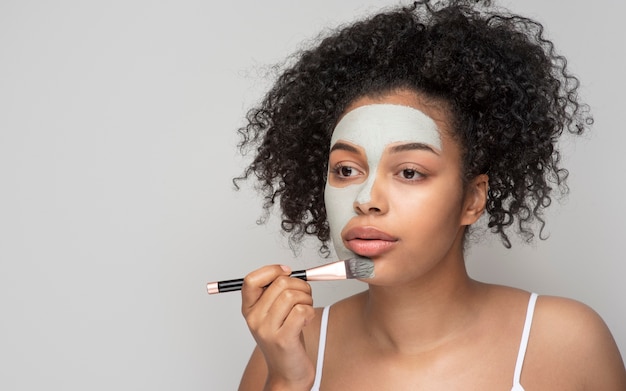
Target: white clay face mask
[373,128]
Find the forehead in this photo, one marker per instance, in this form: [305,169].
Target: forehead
[381,124]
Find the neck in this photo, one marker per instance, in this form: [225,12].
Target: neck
[423,314]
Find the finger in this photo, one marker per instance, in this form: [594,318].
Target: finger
[261,316]
[277,288]
[282,283]
[284,304]
[299,316]
[268,294]
[255,282]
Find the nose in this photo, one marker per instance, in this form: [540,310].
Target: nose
[370,198]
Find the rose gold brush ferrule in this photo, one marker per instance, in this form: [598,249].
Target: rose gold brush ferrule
[331,271]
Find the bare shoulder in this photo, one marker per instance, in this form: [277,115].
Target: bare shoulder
[569,339]
[343,310]
[572,322]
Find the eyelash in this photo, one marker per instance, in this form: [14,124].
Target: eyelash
[339,167]
[417,174]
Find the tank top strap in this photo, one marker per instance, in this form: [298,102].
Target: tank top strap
[521,354]
[321,349]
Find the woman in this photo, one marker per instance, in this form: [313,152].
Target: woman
[391,138]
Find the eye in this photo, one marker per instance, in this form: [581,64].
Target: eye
[343,171]
[411,174]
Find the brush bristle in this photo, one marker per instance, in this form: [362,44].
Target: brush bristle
[359,267]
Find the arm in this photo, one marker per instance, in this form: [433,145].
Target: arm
[255,374]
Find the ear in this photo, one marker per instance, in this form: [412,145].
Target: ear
[475,199]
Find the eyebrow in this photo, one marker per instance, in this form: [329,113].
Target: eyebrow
[395,149]
[412,147]
[344,147]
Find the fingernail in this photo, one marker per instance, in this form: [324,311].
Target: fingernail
[286,268]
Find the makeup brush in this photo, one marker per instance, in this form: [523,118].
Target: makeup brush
[357,267]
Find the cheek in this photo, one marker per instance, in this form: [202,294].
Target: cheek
[435,206]
[339,206]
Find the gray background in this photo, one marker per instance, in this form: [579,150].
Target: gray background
[117,149]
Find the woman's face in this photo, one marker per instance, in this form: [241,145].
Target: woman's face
[394,191]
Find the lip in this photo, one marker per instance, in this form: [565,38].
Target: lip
[368,241]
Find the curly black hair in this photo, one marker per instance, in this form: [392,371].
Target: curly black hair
[508,92]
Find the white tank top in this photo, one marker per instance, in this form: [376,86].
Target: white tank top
[518,364]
